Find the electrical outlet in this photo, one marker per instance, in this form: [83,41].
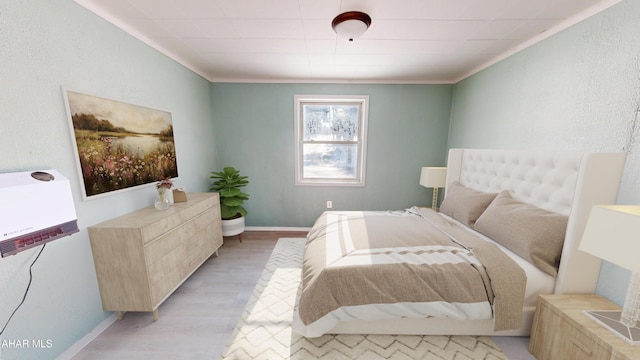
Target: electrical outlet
[329,204]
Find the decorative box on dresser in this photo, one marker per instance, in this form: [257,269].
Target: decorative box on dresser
[562,330]
[142,257]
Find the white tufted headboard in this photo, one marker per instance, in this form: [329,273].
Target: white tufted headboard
[565,183]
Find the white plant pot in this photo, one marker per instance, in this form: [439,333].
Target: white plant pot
[233,227]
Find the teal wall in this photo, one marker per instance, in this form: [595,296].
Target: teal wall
[253,124]
[46,44]
[578,90]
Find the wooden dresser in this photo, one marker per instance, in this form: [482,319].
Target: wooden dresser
[142,257]
[561,330]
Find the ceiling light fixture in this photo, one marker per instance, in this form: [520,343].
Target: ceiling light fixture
[351,25]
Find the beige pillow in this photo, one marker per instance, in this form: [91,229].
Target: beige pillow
[534,234]
[464,204]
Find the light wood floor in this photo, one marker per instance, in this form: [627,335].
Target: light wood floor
[198,319]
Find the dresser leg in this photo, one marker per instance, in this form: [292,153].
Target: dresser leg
[155,315]
[120,315]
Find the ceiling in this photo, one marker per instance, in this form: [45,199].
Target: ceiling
[409,41]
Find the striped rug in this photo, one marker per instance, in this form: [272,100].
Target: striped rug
[264,331]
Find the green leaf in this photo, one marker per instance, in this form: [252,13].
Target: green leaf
[242,211]
[228,212]
[233,201]
[227,182]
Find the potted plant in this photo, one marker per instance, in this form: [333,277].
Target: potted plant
[228,183]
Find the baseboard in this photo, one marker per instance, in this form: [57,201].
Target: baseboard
[85,340]
[276,228]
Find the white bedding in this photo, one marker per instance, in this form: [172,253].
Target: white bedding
[565,183]
[538,282]
[373,312]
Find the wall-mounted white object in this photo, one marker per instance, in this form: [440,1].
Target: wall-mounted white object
[36,207]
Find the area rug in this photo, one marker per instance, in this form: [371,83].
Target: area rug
[264,331]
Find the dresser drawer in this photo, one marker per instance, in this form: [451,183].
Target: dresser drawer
[179,237]
[161,222]
[200,247]
[579,346]
[176,254]
[159,248]
[562,330]
[169,263]
[161,289]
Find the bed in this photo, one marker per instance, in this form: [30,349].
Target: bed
[365,273]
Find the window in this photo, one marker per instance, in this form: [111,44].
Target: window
[330,139]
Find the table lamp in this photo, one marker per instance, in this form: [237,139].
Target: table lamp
[612,233]
[433,177]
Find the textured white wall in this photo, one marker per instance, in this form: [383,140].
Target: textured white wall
[578,90]
[46,44]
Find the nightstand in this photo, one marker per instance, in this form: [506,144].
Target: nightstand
[561,330]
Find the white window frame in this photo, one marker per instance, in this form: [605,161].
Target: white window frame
[361,142]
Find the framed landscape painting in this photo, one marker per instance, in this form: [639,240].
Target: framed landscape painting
[119,146]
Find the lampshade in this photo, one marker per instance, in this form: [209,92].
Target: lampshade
[612,233]
[351,25]
[433,177]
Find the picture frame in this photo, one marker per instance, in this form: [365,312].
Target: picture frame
[119,146]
